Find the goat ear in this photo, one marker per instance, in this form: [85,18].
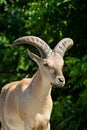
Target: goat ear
[33,56]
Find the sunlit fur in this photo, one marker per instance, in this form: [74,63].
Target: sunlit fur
[27,104]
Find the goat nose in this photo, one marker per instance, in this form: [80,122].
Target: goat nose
[61,79]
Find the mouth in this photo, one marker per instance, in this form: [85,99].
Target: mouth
[55,85]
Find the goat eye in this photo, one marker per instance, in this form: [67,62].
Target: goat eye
[45,64]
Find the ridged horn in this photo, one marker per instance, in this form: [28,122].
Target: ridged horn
[63,46]
[41,45]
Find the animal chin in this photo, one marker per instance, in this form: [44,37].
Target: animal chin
[55,85]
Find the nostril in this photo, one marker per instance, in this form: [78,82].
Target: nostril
[61,80]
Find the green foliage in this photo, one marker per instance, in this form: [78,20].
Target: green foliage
[51,20]
[70,109]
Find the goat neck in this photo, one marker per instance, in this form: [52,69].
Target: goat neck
[42,84]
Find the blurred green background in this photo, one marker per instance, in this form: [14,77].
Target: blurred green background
[50,20]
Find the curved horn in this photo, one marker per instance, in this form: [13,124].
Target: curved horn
[63,46]
[42,46]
